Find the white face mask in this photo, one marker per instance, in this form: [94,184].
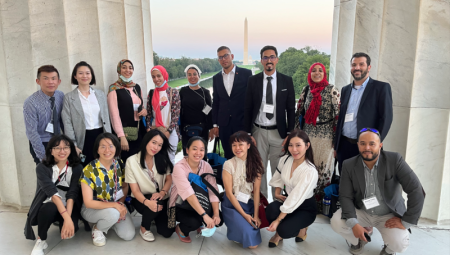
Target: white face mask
[125,79]
[164,83]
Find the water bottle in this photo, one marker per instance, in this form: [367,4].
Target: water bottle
[326,206]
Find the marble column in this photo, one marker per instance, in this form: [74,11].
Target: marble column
[60,33]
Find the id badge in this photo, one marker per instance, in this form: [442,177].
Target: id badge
[241,197]
[207,109]
[49,128]
[370,202]
[119,195]
[268,108]
[136,107]
[348,117]
[317,120]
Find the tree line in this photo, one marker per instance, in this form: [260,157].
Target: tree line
[296,63]
[175,67]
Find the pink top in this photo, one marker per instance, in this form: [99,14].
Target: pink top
[114,110]
[181,185]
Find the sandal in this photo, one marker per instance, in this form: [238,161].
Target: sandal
[273,244]
[300,239]
[184,239]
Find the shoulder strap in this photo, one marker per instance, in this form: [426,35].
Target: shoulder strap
[283,164]
[137,91]
[210,186]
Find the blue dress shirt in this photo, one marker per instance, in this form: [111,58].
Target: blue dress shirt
[350,128]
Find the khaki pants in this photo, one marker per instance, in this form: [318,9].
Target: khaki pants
[396,240]
[269,146]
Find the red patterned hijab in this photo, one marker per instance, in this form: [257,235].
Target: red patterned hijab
[316,89]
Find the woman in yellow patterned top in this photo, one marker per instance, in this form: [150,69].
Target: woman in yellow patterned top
[104,192]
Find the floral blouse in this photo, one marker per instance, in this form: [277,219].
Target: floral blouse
[174,107]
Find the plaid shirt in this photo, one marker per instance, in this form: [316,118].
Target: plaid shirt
[37,113]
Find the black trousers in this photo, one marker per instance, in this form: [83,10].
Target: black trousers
[48,213]
[345,151]
[290,226]
[161,219]
[190,220]
[225,132]
[33,154]
[88,147]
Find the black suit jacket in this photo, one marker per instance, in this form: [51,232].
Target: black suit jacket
[375,108]
[394,175]
[224,107]
[285,102]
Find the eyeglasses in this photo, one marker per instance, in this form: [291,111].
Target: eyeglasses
[58,149]
[226,56]
[266,58]
[373,130]
[103,147]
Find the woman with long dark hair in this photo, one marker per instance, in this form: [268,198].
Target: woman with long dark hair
[242,183]
[291,213]
[149,174]
[56,193]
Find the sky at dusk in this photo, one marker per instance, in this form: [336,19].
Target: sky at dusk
[196,28]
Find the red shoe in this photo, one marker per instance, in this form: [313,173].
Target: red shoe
[184,239]
[199,230]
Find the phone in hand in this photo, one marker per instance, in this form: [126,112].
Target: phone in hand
[367,237]
[253,224]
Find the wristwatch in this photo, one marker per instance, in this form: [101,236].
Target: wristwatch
[203,214]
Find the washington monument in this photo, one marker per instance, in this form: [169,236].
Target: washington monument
[245,42]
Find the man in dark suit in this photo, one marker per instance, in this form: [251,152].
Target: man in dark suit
[364,103]
[370,194]
[269,110]
[229,88]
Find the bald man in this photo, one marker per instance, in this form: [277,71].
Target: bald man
[371,196]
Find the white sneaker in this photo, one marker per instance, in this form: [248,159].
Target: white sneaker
[39,247]
[98,237]
[147,236]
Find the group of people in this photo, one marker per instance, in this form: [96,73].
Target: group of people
[89,171]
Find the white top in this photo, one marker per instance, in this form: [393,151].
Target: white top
[261,119]
[134,173]
[91,110]
[300,187]
[164,104]
[65,182]
[228,79]
[236,167]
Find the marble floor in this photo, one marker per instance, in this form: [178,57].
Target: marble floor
[321,240]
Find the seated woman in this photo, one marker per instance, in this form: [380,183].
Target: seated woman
[149,174]
[57,190]
[296,173]
[191,220]
[242,183]
[103,191]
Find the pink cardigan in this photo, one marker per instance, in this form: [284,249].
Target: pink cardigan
[181,185]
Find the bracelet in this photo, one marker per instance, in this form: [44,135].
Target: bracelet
[164,191]
[120,203]
[63,212]
[203,214]
[143,202]
[279,219]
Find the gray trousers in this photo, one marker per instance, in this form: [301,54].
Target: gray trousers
[107,218]
[269,146]
[396,240]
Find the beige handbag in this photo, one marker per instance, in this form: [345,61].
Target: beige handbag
[160,128]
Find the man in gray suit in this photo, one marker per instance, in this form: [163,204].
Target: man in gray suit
[371,196]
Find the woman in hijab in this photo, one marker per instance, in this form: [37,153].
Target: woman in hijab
[196,114]
[125,109]
[163,107]
[318,107]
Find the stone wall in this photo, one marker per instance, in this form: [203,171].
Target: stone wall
[409,44]
[61,33]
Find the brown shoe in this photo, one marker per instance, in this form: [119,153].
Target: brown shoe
[184,239]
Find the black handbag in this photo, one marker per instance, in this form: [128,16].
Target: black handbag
[194,130]
[216,162]
[303,111]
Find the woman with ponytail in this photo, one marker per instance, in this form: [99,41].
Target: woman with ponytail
[318,108]
[242,182]
[163,107]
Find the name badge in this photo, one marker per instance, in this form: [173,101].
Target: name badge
[370,202]
[136,107]
[348,117]
[49,128]
[241,197]
[119,195]
[207,109]
[268,108]
[317,120]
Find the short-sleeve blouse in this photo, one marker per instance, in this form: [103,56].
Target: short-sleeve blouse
[237,168]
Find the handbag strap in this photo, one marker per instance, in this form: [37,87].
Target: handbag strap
[210,186]
[303,111]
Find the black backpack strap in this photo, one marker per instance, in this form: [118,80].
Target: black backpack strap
[283,164]
[210,186]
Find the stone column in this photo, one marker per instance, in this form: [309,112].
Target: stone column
[61,33]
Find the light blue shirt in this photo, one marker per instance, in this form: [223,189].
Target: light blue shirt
[350,128]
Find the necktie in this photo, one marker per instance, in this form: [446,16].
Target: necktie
[55,119]
[269,96]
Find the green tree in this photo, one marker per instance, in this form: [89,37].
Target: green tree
[290,60]
[155,59]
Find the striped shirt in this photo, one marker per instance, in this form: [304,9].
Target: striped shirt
[37,113]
